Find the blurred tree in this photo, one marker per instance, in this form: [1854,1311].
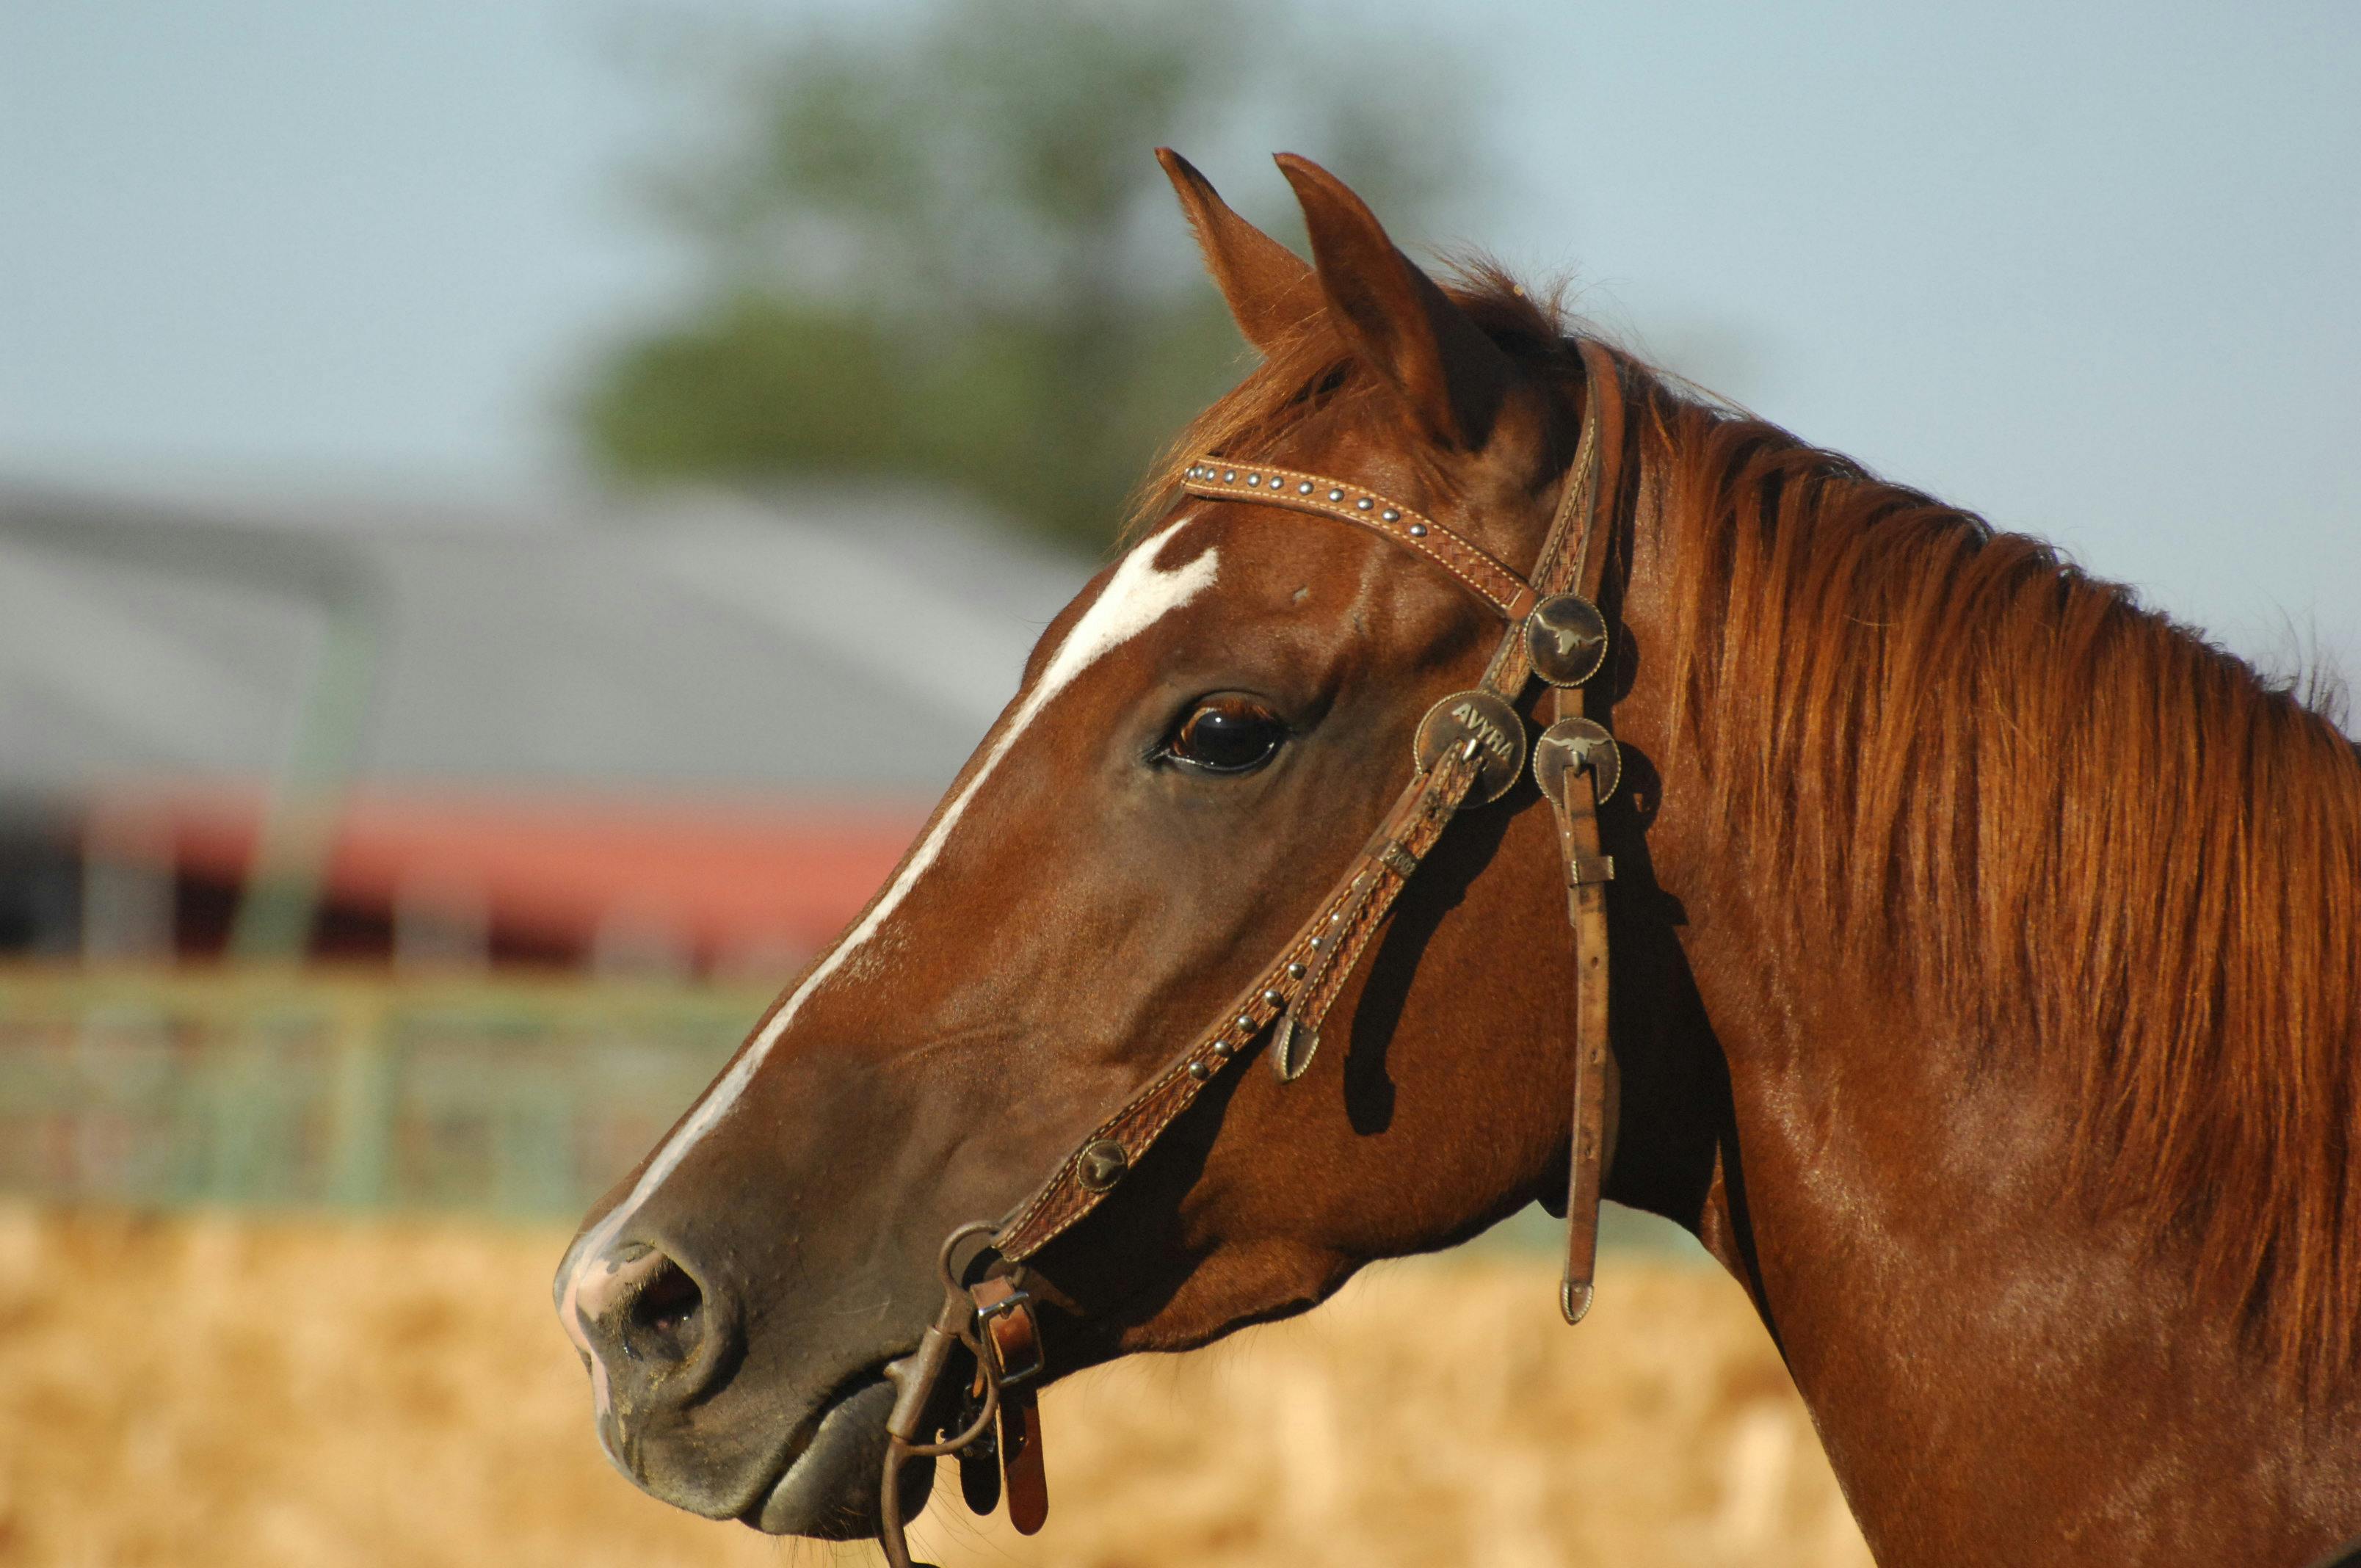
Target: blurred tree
[943,250]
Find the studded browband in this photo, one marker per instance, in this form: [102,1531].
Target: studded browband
[1470,749]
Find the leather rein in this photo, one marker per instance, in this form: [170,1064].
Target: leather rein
[1471,749]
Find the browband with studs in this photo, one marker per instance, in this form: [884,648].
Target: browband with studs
[1477,568]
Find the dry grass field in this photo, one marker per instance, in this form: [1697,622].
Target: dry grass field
[229,1390]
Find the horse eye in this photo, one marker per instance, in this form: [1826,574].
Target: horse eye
[1226,735]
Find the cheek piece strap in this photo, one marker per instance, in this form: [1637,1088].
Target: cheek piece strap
[1471,747]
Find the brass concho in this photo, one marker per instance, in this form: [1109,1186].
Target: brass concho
[1571,745]
[1566,638]
[1499,732]
[1103,1164]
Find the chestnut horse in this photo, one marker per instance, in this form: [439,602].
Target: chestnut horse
[1984,971]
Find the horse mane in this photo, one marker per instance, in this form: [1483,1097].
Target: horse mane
[2003,792]
[2001,788]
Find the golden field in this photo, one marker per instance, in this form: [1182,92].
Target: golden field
[227,1390]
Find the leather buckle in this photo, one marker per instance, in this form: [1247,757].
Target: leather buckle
[1018,1306]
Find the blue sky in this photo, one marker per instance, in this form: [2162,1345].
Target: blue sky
[2090,269]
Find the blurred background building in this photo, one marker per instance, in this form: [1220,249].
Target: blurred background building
[653,737]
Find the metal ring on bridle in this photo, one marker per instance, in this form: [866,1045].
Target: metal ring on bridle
[985,1411]
[950,1244]
[987,1367]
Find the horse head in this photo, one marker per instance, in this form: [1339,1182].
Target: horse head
[1201,744]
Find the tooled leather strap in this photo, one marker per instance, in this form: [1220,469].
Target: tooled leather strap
[1005,1315]
[1583,747]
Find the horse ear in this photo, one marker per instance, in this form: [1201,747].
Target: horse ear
[1270,289]
[1453,376]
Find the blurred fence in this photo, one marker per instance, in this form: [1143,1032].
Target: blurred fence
[308,1088]
[299,1089]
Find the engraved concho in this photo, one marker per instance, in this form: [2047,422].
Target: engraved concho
[1567,639]
[1571,745]
[1499,732]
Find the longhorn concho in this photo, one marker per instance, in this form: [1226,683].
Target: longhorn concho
[1572,746]
[1565,638]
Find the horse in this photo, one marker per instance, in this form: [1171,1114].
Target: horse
[1981,949]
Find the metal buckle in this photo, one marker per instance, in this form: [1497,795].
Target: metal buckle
[1007,1306]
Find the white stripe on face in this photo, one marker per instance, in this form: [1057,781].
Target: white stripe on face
[1136,597]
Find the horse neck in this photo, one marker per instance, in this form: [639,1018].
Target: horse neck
[1995,1370]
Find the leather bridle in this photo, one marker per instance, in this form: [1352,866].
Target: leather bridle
[1471,748]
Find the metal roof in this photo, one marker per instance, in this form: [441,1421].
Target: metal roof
[827,642]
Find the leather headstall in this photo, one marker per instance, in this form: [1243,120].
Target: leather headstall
[1471,748]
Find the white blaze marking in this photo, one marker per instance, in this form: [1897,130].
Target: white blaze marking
[1136,597]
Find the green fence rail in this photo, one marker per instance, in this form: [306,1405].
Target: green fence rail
[300,1089]
[295,1087]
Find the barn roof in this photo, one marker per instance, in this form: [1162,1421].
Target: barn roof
[823,642]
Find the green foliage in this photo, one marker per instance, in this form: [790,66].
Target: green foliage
[944,252]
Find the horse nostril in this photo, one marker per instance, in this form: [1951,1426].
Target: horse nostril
[661,1322]
[668,1297]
